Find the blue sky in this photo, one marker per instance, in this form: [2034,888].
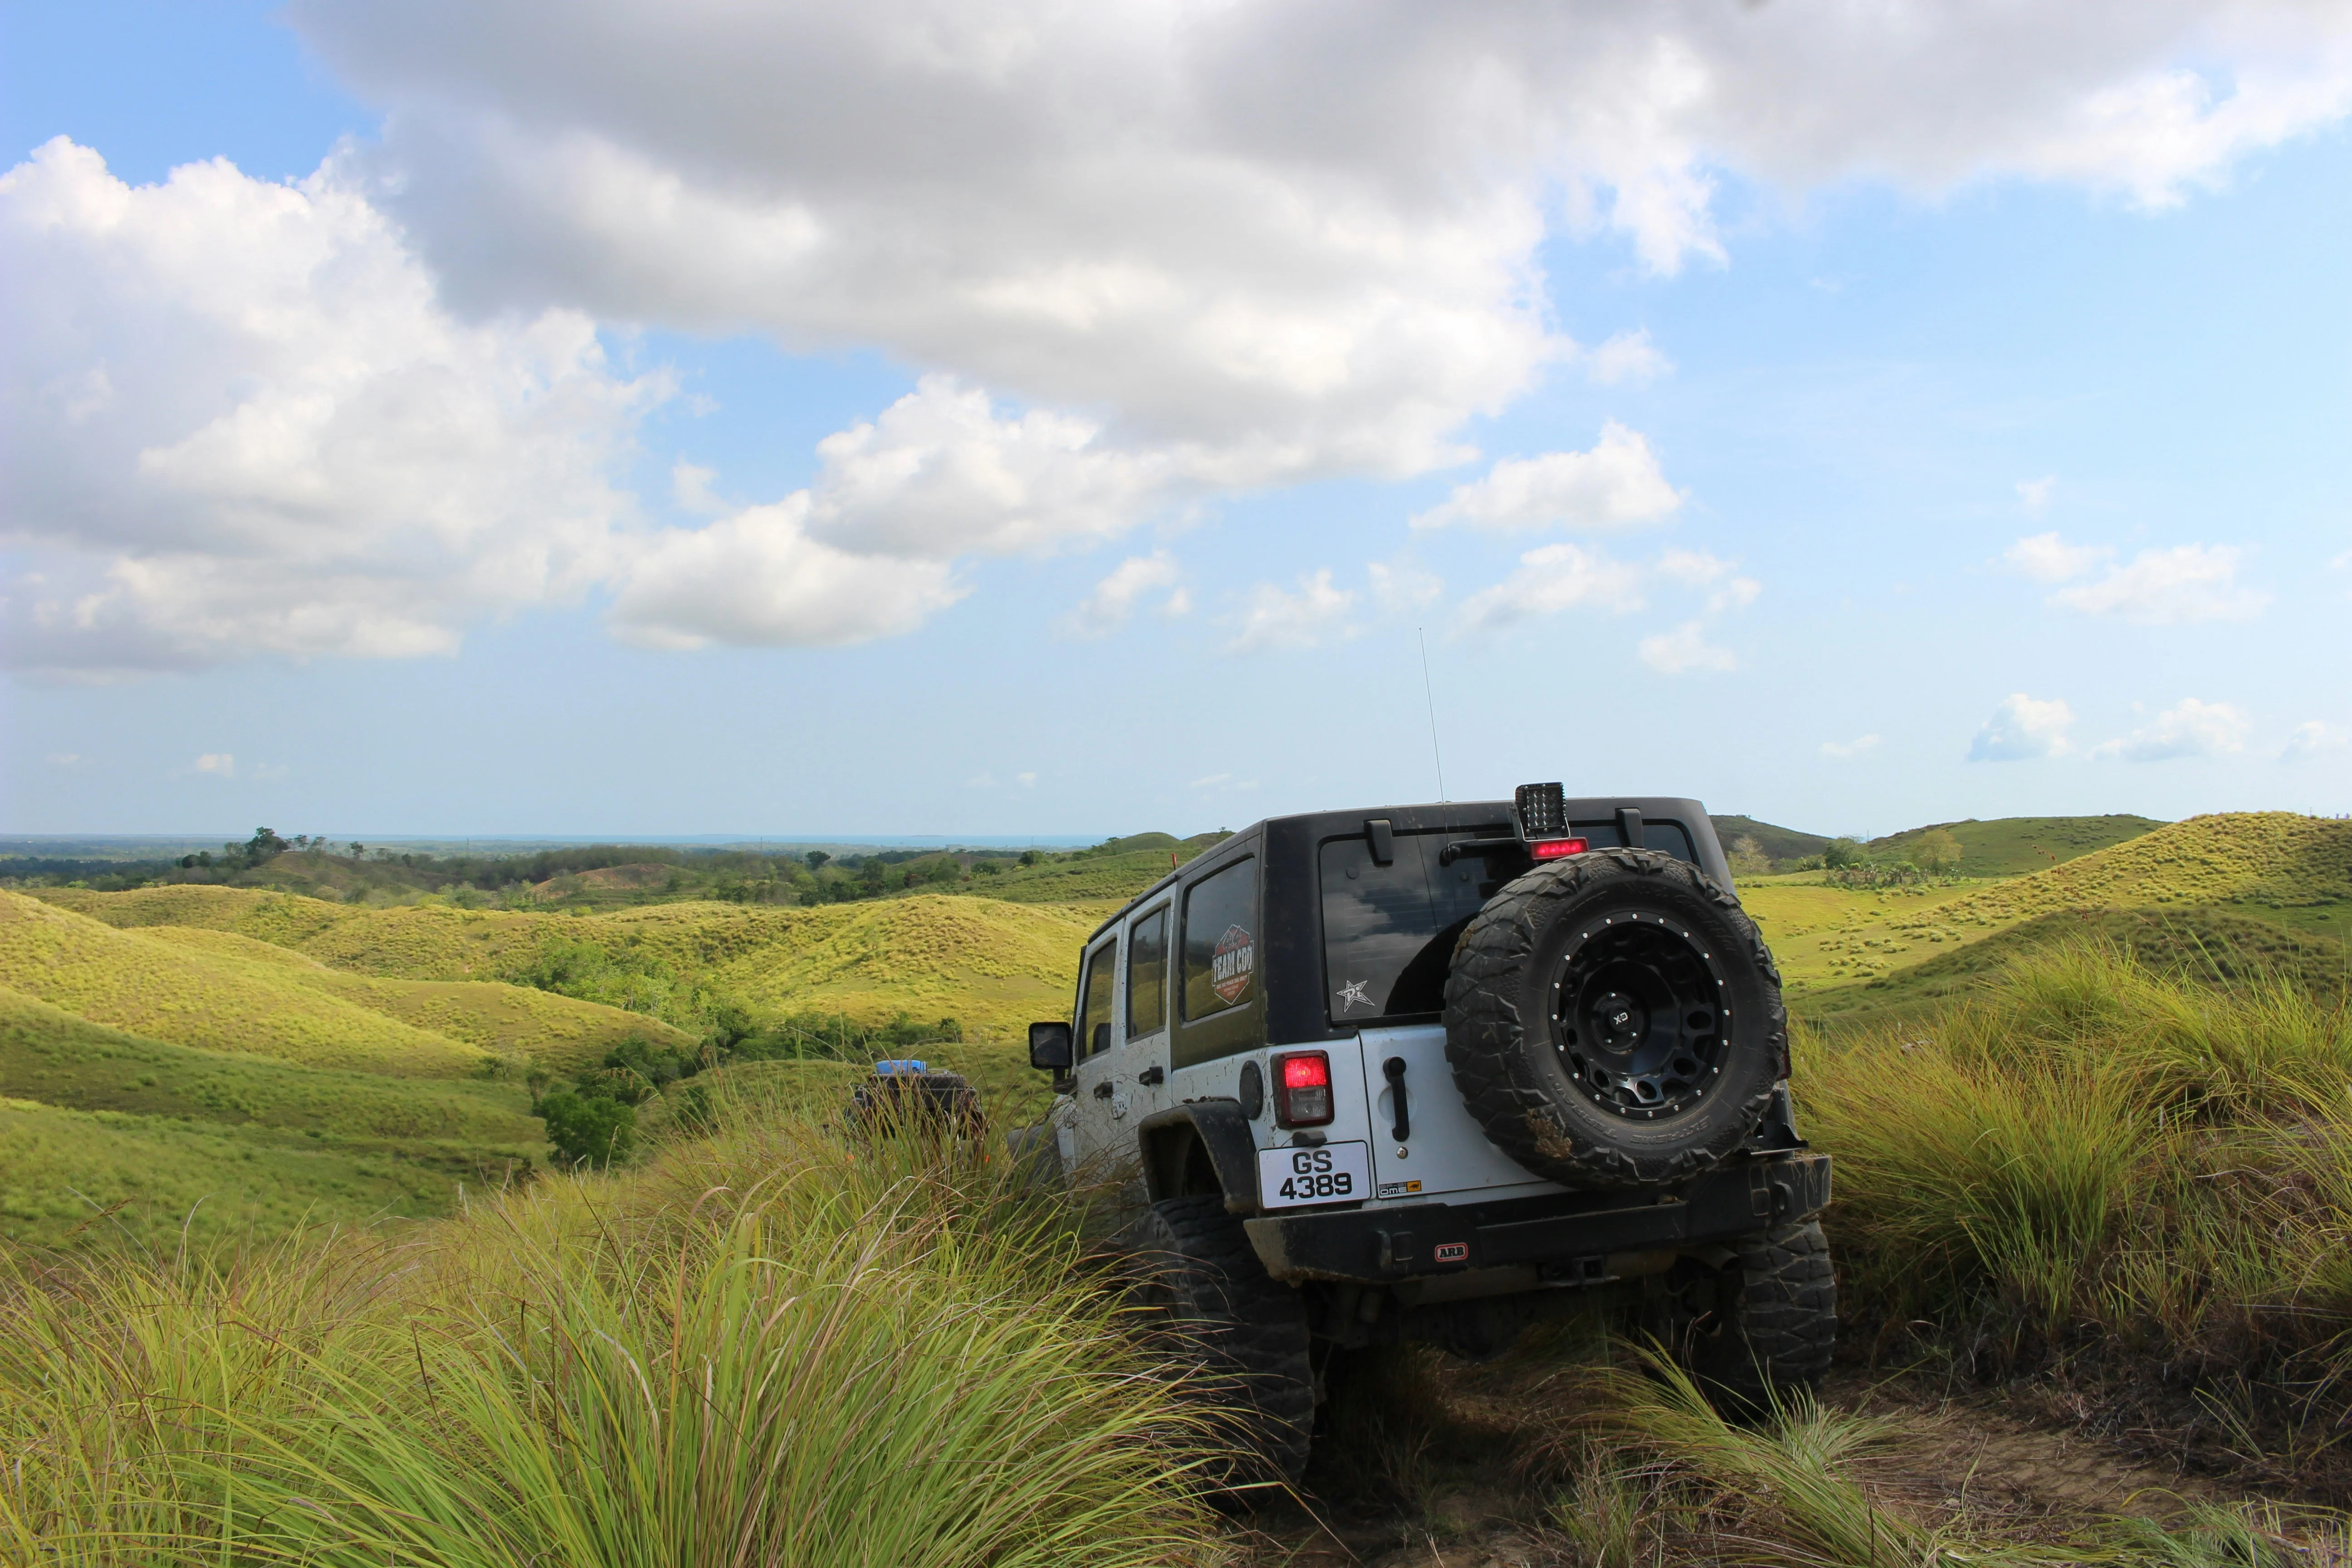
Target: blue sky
[1974,464]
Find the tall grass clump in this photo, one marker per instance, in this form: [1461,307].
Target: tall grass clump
[776,1345]
[2094,1156]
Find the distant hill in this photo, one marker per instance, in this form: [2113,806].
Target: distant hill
[2018,846]
[1779,844]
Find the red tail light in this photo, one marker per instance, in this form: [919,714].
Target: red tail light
[1553,849]
[1304,1097]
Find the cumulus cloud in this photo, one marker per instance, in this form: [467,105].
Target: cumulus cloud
[1275,620]
[220,764]
[1683,649]
[2046,558]
[2034,494]
[236,421]
[757,579]
[2313,738]
[2179,586]
[1113,601]
[1400,585]
[2190,728]
[1617,484]
[1846,751]
[2023,728]
[1627,357]
[1554,578]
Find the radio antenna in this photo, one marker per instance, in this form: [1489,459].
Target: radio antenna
[1430,693]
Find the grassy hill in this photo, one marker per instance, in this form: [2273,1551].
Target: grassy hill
[1779,844]
[2288,876]
[2019,846]
[52,1055]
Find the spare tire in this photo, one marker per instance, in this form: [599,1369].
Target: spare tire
[1614,1020]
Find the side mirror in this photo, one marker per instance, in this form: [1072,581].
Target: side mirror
[1050,1047]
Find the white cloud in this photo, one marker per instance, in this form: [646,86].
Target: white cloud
[1024,780]
[689,485]
[2179,586]
[2034,495]
[1113,600]
[1556,577]
[1846,751]
[63,759]
[1400,585]
[1210,780]
[220,764]
[2189,729]
[1627,357]
[2046,558]
[240,422]
[757,579]
[1292,207]
[2023,728]
[2313,738]
[1315,615]
[1617,484]
[1683,649]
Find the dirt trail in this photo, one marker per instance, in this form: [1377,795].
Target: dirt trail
[1443,1496]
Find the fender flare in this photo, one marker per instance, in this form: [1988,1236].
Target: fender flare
[1186,1148]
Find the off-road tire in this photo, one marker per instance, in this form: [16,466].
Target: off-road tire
[1208,1302]
[1761,1328]
[1509,1053]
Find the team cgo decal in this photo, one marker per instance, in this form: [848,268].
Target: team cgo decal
[1452,1252]
[1233,964]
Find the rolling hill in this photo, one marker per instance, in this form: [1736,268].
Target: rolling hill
[2288,874]
[2019,846]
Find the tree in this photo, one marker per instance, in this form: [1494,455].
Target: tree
[1937,851]
[817,859]
[588,1127]
[1843,854]
[1748,858]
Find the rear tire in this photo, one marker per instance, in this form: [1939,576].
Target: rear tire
[1760,1328]
[1242,1335]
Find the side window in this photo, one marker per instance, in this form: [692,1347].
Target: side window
[1146,974]
[1094,999]
[1221,941]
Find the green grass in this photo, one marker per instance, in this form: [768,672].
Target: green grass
[58,1059]
[2092,1151]
[215,1001]
[2217,945]
[94,1178]
[2294,872]
[770,1347]
[2019,846]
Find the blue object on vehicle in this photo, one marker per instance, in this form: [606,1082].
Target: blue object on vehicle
[890,1070]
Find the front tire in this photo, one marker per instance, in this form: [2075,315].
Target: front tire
[1241,1336]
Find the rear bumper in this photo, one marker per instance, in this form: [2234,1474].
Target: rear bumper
[1566,1238]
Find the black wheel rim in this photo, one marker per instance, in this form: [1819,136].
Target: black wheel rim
[1639,1017]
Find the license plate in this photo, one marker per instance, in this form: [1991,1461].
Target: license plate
[1326,1174]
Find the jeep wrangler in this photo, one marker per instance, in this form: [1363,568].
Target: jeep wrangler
[1424,1072]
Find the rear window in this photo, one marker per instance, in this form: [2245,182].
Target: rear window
[1666,838]
[1388,931]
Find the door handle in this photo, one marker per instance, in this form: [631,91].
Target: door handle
[1102,1089]
[1393,1071]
